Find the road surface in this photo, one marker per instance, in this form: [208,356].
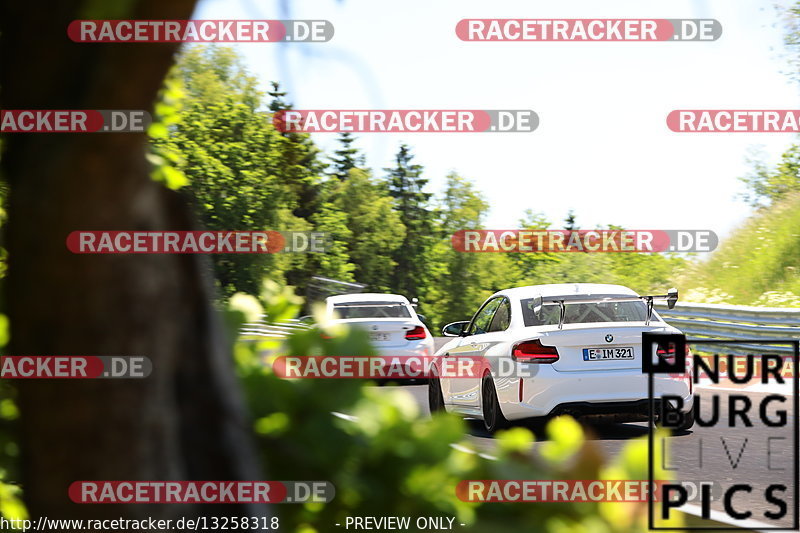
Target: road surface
[759,455]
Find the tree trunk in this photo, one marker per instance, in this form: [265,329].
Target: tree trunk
[184,422]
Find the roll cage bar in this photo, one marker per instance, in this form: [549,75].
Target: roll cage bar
[671,298]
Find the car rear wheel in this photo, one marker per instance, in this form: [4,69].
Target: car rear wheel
[493,418]
[686,423]
[688,420]
[435,398]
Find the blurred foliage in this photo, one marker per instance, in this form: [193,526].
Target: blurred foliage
[766,185]
[791,38]
[101,9]
[758,264]
[11,506]
[163,156]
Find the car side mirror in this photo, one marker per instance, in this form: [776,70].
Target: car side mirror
[537,306]
[455,329]
[672,297]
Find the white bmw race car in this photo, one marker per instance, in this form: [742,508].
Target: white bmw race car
[393,325]
[558,349]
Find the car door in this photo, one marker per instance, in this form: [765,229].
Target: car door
[483,345]
[463,390]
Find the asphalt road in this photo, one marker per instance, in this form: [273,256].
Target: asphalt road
[759,455]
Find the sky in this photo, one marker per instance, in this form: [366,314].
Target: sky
[602,147]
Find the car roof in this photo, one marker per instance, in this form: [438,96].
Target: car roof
[366,297]
[568,290]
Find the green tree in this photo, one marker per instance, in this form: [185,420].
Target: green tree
[335,262]
[406,185]
[643,272]
[791,38]
[376,230]
[466,278]
[758,263]
[768,185]
[243,174]
[532,265]
[346,157]
[570,222]
[298,163]
[227,151]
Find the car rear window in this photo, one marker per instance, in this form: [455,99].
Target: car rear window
[372,310]
[582,313]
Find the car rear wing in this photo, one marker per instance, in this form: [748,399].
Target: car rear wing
[538,301]
[370,303]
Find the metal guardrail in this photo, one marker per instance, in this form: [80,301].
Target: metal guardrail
[697,321]
[272,330]
[736,322]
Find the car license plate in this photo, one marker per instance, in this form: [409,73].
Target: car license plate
[603,354]
[379,336]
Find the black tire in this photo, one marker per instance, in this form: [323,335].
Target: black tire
[435,398]
[688,421]
[685,425]
[493,418]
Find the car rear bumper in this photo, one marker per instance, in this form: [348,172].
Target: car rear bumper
[587,393]
[412,349]
[634,411]
[413,359]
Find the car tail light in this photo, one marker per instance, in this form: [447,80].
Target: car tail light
[666,353]
[534,352]
[669,353]
[418,333]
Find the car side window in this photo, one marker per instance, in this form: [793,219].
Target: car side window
[502,317]
[480,323]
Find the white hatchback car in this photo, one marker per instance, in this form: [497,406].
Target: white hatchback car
[393,325]
[558,349]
